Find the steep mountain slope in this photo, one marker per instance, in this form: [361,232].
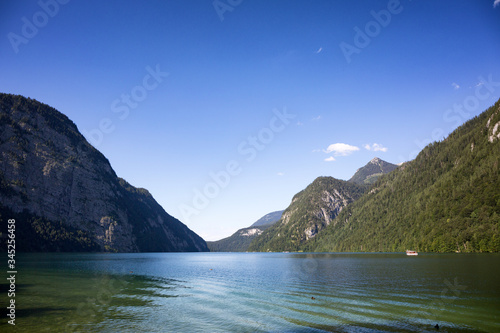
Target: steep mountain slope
[372,171]
[64,194]
[447,199]
[241,239]
[311,211]
[268,219]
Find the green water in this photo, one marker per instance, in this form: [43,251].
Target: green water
[255,292]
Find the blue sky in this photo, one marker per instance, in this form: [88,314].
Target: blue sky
[225,109]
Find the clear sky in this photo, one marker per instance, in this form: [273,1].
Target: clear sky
[225,109]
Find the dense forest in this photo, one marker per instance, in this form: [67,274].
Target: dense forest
[35,233]
[446,200]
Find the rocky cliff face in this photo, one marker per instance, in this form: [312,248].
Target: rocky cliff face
[310,212]
[52,177]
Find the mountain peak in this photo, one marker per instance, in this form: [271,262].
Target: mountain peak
[371,171]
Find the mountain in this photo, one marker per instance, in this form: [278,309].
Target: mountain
[64,195]
[241,239]
[268,219]
[372,171]
[447,199]
[311,211]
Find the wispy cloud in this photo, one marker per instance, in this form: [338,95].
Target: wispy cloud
[341,149]
[321,49]
[496,3]
[375,147]
[455,85]
[299,123]
[316,150]
[280,174]
[330,159]
[316,118]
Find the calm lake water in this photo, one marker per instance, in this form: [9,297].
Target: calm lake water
[256,292]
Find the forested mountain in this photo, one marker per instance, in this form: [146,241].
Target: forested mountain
[311,211]
[372,171]
[447,199]
[65,196]
[241,239]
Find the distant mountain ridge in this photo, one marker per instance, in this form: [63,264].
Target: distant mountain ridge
[241,239]
[372,171]
[64,194]
[267,219]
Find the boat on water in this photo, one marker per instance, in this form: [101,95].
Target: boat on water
[411,253]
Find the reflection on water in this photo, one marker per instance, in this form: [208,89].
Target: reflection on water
[221,292]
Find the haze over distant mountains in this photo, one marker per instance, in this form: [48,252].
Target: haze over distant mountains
[241,239]
[305,212]
[64,194]
[268,219]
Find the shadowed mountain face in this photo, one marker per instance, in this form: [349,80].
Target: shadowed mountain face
[372,171]
[64,194]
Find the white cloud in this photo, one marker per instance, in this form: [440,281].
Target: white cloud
[321,49]
[299,123]
[316,151]
[341,149]
[375,147]
[316,118]
[330,159]
[456,86]
[281,174]
[496,3]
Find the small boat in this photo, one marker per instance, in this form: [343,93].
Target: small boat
[411,253]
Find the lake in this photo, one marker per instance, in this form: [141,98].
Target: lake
[256,292]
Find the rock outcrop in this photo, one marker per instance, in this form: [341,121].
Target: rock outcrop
[311,211]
